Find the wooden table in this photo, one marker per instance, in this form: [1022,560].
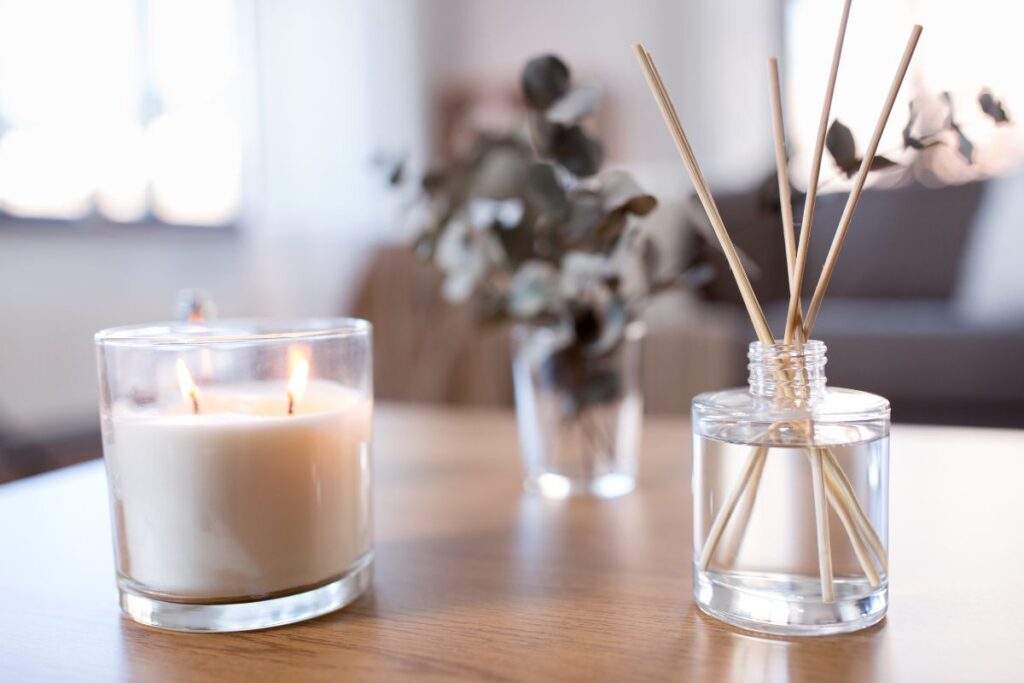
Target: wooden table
[476,581]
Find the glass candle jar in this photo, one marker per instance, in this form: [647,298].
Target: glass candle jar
[790,499]
[239,467]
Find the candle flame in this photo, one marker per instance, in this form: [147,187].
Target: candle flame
[297,382]
[189,390]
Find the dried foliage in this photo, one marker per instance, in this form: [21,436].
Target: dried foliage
[843,149]
[842,146]
[528,227]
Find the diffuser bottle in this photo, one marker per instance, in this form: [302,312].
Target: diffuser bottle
[790,490]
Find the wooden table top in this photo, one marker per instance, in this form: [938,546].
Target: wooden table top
[477,581]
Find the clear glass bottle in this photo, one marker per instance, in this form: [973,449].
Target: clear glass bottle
[579,414]
[790,499]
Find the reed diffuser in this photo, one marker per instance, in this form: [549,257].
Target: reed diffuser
[790,478]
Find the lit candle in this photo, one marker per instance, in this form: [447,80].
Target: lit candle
[242,491]
[239,464]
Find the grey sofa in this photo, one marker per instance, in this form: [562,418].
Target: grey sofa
[894,320]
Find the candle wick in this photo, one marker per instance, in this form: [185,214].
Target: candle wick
[291,403]
[195,401]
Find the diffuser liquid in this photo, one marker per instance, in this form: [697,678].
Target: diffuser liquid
[764,570]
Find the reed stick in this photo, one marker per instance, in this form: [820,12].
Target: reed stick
[675,127]
[812,182]
[858,183]
[785,192]
[741,520]
[729,506]
[840,482]
[817,471]
[821,527]
[782,170]
[842,509]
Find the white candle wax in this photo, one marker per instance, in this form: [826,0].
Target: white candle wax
[242,500]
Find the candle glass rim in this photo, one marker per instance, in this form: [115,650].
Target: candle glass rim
[233,330]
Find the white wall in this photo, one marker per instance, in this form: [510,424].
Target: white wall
[59,286]
[327,82]
[713,55]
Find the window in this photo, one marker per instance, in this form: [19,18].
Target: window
[122,109]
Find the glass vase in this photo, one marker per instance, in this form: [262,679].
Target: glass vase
[790,499]
[579,413]
[239,468]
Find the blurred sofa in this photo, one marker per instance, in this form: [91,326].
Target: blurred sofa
[901,317]
[912,311]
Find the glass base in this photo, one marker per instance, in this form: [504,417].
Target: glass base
[558,486]
[789,605]
[248,616]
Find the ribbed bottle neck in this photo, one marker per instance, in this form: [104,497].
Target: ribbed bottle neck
[787,371]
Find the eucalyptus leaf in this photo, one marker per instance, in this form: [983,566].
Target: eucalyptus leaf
[423,247]
[614,318]
[576,105]
[919,142]
[452,245]
[610,229]
[992,106]
[840,144]
[489,309]
[575,149]
[586,324]
[652,262]
[909,141]
[517,242]
[500,173]
[492,213]
[459,285]
[391,166]
[534,289]
[963,144]
[879,163]
[549,346]
[545,80]
[544,191]
[510,213]
[586,213]
[466,256]
[583,272]
[482,213]
[434,180]
[619,190]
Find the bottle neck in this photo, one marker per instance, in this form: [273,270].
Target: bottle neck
[793,372]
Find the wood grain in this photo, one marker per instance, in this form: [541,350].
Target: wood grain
[476,581]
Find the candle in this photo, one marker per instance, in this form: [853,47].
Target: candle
[234,491]
[242,500]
